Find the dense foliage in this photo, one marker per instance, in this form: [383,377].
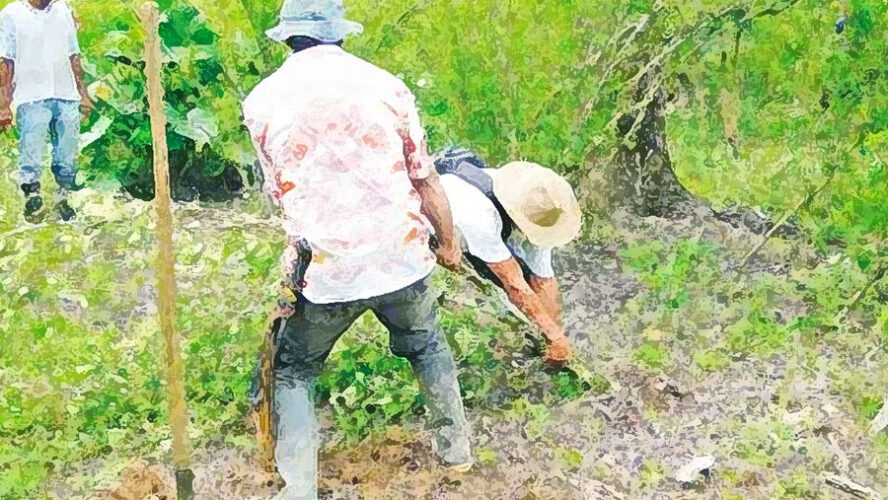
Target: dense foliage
[770,104]
[768,101]
[480,87]
[784,107]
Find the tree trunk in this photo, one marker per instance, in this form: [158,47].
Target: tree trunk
[645,181]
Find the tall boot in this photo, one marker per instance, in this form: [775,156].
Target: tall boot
[437,375]
[62,207]
[298,439]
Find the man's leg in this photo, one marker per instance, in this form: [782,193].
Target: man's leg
[33,121]
[65,129]
[409,315]
[303,346]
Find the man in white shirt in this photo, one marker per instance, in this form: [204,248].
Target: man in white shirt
[344,158]
[40,72]
[510,219]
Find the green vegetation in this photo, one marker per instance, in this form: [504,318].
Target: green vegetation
[82,373]
[763,105]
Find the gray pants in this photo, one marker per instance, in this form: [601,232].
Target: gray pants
[306,341]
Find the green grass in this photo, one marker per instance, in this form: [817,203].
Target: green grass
[82,353]
[692,301]
[81,357]
[81,378]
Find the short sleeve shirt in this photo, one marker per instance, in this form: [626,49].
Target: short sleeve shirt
[40,42]
[339,141]
[480,225]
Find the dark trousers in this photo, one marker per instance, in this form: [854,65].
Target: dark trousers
[307,339]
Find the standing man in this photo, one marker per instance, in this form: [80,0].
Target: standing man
[344,157]
[510,220]
[40,72]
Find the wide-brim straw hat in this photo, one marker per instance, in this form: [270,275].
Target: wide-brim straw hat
[540,202]
[322,20]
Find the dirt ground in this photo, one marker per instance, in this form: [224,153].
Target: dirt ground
[628,443]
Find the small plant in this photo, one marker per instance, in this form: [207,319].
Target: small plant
[652,355]
[569,458]
[797,485]
[711,360]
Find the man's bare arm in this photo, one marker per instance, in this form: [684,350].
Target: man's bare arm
[437,209]
[547,290]
[522,295]
[7,87]
[85,101]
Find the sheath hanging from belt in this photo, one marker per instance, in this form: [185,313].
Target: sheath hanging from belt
[289,303]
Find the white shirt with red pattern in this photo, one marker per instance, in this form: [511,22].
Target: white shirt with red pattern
[339,141]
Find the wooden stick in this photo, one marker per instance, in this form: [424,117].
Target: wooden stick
[263,412]
[166,278]
[580,364]
[804,201]
[852,488]
[466,269]
[843,314]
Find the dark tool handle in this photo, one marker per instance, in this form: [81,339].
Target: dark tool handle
[303,260]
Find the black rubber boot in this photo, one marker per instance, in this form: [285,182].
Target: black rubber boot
[65,211]
[34,202]
[31,188]
[33,206]
[66,186]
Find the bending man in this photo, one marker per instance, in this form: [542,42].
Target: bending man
[510,220]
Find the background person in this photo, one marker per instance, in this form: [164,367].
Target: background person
[40,72]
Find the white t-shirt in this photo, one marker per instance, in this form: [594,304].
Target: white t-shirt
[332,131]
[40,43]
[480,225]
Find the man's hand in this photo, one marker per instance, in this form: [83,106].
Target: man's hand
[559,352]
[450,258]
[528,302]
[5,118]
[7,77]
[86,107]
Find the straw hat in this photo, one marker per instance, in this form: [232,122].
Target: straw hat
[540,202]
[323,20]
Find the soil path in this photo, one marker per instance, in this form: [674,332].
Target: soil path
[628,443]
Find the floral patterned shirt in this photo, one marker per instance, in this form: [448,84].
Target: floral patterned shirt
[339,141]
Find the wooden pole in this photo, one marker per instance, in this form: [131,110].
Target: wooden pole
[166,278]
[767,237]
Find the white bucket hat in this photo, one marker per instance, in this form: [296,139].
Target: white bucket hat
[540,202]
[323,20]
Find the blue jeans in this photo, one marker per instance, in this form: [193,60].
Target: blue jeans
[58,121]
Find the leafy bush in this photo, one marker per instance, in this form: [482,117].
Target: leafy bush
[782,106]
[206,143]
[490,85]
